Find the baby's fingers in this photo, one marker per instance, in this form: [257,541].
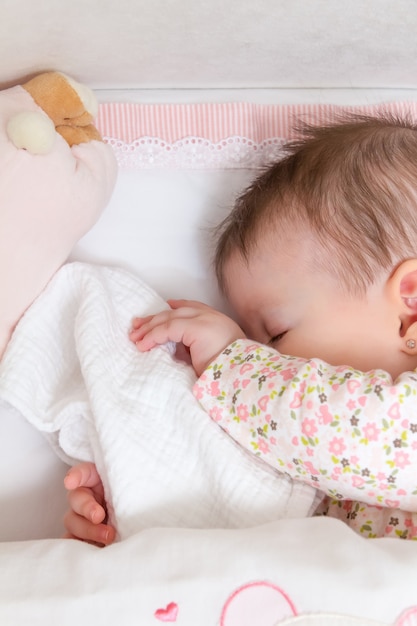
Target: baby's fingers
[83,502]
[142,325]
[190,304]
[159,333]
[82,475]
[137,322]
[80,528]
[162,327]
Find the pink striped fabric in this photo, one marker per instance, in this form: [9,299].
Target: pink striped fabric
[170,122]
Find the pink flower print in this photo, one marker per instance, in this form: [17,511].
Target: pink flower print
[394,411]
[295,441]
[216,414]
[357,481]
[308,427]
[337,446]
[412,534]
[263,403]
[362,400]
[310,452]
[371,432]
[288,374]
[401,459]
[335,387]
[405,424]
[214,389]
[381,476]
[324,415]
[263,446]
[236,383]
[198,391]
[352,385]
[408,523]
[351,404]
[310,468]
[302,386]
[242,412]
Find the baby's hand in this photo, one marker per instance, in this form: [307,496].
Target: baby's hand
[205,331]
[86,517]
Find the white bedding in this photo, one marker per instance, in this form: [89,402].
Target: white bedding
[305,572]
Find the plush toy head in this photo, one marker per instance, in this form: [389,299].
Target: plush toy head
[56,177]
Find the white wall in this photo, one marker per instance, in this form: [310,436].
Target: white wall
[213,43]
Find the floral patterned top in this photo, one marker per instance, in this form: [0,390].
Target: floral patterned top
[350,434]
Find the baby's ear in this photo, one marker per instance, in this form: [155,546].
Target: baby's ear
[402,287]
[408,284]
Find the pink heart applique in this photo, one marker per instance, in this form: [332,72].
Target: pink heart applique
[168,614]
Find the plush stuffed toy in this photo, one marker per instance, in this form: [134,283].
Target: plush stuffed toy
[56,177]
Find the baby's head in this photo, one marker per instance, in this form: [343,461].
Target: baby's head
[323,246]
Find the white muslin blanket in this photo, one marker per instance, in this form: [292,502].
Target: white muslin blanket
[71,370]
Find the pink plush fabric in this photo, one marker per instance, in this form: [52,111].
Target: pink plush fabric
[47,203]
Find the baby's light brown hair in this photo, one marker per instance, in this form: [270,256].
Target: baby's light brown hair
[352,184]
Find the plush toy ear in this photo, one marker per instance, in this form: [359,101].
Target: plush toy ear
[32,131]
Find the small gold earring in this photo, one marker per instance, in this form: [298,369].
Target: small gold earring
[411,344]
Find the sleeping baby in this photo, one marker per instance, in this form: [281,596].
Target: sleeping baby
[315,378]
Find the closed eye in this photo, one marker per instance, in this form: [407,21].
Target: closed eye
[277,338]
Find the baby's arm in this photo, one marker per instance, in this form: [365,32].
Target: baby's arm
[85,519]
[350,434]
